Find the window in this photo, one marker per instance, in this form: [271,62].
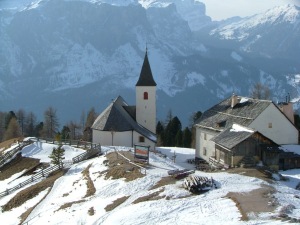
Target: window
[141,139]
[270,125]
[204,151]
[222,156]
[204,136]
[145,95]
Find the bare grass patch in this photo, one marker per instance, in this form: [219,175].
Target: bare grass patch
[18,165]
[151,197]
[116,203]
[68,205]
[121,168]
[163,182]
[7,144]
[89,183]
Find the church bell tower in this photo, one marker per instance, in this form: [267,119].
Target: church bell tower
[146,97]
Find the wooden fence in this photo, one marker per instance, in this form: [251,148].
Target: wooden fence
[94,150]
[7,156]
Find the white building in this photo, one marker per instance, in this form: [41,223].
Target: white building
[123,125]
[275,122]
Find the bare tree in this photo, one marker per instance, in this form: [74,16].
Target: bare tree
[50,123]
[260,91]
[30,124]
[13,129]
[74,130]
[2,125]
[91,117]
[21,119]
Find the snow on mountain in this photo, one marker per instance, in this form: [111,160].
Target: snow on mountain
[93,50]
[272,33]
[242,29]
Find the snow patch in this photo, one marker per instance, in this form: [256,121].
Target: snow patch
[239,128]
[194,78]
[236,56]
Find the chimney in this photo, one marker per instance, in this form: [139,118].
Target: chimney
[288,111]
[234,100]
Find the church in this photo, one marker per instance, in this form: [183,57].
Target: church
[123,125]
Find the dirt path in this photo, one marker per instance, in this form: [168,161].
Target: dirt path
[256,201]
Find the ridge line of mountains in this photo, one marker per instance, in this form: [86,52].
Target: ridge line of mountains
[74,55]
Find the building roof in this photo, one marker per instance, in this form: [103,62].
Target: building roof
[233,136]
[118,117]
[146,78]
[236,134]
[222,115]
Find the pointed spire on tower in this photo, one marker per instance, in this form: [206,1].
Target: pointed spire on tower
[146,78]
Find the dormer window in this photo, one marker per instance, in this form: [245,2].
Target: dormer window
[145,95]
[221,124]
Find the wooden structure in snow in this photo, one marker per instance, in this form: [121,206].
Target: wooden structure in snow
[198,184]
[179,174]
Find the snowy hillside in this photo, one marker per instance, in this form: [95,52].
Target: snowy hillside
[280,25]
[62,53]
[66,201]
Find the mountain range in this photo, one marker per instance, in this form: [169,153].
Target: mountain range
[73,55]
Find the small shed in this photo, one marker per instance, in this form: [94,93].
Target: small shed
[242,146]
[289,157]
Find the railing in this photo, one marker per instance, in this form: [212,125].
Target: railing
[77,143]
[37,176]
[215,163]
[6,157]
[93,151]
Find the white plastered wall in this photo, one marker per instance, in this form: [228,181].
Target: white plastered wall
[146,109]
[126,138]
[282,131]
[204,142]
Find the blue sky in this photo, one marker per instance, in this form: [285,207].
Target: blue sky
[222,9]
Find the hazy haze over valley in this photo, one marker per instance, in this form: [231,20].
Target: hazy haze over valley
[73,55]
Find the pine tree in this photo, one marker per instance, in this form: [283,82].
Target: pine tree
[65,133]
[160,133]
[171,130]
[187,138]
[178,139]
[57,156]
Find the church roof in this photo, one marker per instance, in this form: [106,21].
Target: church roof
[146,78]
[118,117]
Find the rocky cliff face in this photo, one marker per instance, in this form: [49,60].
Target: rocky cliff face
[73,55]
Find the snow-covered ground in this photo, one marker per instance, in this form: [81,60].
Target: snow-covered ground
[178,207]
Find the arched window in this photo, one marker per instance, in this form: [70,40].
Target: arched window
[145,95]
